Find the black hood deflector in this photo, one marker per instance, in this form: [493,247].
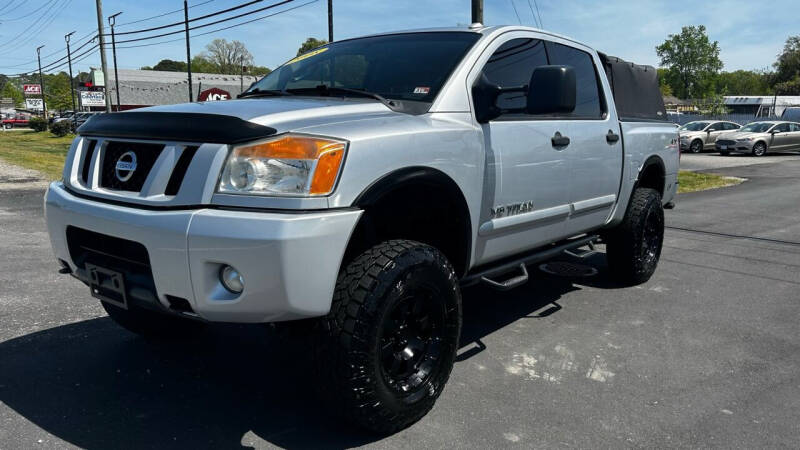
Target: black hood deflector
[172,126]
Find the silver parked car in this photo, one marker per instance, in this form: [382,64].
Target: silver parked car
[759,137]
[700,135]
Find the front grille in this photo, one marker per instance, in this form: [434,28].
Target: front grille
[144,155]
[121,255]
[725,142]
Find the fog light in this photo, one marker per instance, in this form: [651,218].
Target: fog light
[231,279]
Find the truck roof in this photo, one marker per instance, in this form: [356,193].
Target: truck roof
[476,28]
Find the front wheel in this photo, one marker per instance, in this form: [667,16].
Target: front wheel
[760,149]
[634,246]
[391,336]
[696,147]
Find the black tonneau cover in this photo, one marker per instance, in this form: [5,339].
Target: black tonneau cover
[636,91]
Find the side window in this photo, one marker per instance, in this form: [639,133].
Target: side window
[794,126]
[719,126]
[781,128]
[587,99]
[511,65]
[732,126]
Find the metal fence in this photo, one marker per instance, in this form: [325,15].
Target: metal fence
[741,119]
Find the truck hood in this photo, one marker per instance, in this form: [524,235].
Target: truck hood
[286,113]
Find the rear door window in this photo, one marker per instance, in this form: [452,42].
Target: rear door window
[587,98]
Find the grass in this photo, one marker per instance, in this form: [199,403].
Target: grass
[693,181]
[39,151]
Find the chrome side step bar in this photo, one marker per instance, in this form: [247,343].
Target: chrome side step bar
[488,275]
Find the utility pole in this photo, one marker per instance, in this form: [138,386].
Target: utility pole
[41,79]
[100,33]
[71,82]
[477,11]
[112,20]
[330,20]
[188,51]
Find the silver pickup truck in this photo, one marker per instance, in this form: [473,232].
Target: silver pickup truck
[361,185]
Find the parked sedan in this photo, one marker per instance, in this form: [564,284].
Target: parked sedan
[758,138]
[700,135]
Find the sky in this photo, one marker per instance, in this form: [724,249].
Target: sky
[750,33]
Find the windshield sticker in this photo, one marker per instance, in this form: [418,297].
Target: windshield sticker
[422,90]
[308,55]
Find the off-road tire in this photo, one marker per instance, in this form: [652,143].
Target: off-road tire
[634,246]
[351,357]
[151,324]
[696,146]
[759,149]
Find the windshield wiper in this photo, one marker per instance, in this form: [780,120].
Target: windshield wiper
[264,93]
[326,90]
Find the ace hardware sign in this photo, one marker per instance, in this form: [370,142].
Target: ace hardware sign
[32,89]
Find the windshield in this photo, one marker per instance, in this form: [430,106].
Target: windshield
[757,127]
[406,67]
[695,126]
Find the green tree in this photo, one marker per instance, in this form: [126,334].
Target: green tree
[743,82]
[310,44]
[692,59]
[228,57]
[57,92]
[168,65]
[201,65]
[787,68]
[11,91]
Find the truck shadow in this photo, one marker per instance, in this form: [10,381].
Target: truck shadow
[95,385]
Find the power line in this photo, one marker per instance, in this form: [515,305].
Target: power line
[161,15]
[182,22]
[8,5]
[33,34]
[515,11]
[535,21]
[196,27]
[224,28]
[538,13]
[26,30]
[30,13]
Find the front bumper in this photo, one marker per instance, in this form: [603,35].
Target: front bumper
[289,261]
[737,147]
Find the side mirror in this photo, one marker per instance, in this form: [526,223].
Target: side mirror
[552,90]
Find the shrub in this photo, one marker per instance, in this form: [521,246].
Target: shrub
[38,124]
[62,128]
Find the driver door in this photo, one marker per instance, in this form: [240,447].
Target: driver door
[712,133]
[526,188]
[781,137]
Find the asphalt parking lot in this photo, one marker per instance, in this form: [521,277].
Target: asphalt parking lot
[706,354]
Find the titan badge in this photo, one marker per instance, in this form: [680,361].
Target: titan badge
[511,209]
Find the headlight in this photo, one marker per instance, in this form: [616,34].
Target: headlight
[744,139]
[292,165]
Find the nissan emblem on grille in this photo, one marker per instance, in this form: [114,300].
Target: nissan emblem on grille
[126,165]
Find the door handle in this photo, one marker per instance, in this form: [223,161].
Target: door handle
[611,137]
[559,141]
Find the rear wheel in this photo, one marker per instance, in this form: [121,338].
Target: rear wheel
[151,324]
[760,149]
[696,146]
[391,336]
[634,247]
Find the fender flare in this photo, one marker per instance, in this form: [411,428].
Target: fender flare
[425,176]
